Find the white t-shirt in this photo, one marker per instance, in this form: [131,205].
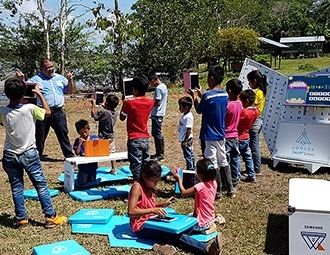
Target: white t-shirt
[19,122]
[186,121]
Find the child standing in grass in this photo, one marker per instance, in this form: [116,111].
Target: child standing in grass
[185,131]
[213,106]
[107,120]
[142,206]
[234,109]
[248,117]
[257,82]
[137,111]
[86,172]
[20,151]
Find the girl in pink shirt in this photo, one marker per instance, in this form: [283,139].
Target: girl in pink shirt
[142,206]
[205,192]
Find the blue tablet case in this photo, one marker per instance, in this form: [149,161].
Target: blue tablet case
[88,195]
[68,247]
[101,177]
[97,229]
[92,216]
[117,191]
[177,226]
[32,193]
[204,238]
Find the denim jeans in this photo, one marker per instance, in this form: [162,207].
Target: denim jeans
[233,159]
[138,154]
[188,153]
[14,165]
[183,240]
[254,144]
[59,124]
[156,127]
[244,148]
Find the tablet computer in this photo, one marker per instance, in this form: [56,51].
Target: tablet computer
[127,87]
[164,219]
[190,81]
[98,97]
[29,87]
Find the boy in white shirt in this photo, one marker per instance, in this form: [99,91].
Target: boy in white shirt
[185,131]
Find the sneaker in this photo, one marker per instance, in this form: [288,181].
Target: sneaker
[248,179]
[220,219]
[22,223]
[113,171]
[53,222]
[164,249]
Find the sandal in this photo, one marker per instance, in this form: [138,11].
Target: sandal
[220,219]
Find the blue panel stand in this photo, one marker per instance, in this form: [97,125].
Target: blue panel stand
[68,247]
[32,193]
[92,215]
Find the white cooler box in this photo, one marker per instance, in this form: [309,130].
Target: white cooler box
[309,216]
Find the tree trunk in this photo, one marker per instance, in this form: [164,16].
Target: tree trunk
[42,11]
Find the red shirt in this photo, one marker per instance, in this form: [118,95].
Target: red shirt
[144,202]
[137,110]
[248,117]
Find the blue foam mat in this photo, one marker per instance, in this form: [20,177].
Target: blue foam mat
[92,216]
[67,247]
[32,193]
[165,171]
[122,236]
[101,177]
[88,195]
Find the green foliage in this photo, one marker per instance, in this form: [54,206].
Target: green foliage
[307,67]
[236,42]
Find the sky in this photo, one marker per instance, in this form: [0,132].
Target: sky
[29,6]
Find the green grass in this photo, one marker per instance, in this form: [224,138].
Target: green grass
[257,221]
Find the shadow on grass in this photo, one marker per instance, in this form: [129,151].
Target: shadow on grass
[6,220]
[277,239]
[288,168]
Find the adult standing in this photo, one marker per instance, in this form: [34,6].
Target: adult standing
[158,114]
[53,87]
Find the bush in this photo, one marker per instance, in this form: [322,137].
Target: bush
[307,67]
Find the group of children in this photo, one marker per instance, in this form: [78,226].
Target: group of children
[230,127]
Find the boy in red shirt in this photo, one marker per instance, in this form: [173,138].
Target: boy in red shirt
[248,116]
[137,111]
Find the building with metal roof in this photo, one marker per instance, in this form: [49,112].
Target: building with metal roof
[275,50]
[303,46]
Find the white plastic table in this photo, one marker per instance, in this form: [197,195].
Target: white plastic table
[70,163]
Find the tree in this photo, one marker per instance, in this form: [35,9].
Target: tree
[172,35]
[236,42]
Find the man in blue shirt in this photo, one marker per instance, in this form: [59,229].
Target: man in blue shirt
[157,114]
[52,86]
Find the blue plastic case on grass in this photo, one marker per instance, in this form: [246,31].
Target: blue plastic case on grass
[32,193]
[92,216]
[68,247]
[88,195]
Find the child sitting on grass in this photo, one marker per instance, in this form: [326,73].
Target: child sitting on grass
[87,172]
[20,151]
[107,120]
[205,192]
[142,206]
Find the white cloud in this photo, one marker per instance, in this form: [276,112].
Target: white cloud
[28,6]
